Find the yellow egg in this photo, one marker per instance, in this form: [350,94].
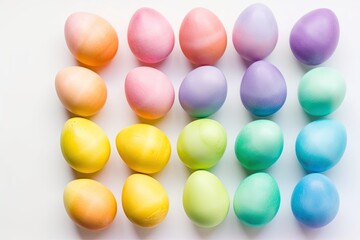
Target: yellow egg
[89,204]
[84,145]
[80,90]
[144,148]
[144,200]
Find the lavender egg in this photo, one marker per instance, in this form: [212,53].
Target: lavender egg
[315,36]
[255,32]
[203,91]
[263,89]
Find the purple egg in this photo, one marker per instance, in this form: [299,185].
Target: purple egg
[263,89]
[203,91]
[315,36]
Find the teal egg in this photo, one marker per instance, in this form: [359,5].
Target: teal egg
[201,144]
[321,91]
[259,144]
[257,199]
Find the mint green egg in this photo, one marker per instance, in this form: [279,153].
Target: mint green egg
[205,199]
[201,144]
[321,91]
[257,199]
[259,144]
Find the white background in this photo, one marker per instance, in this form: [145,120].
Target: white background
[33,172]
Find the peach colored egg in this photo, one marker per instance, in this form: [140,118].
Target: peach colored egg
[150,36]
[80,90]
[90,38]
[149,92]
[202,37]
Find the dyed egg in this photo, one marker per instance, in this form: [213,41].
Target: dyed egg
[263,89]
[149,92]
[320,145]
[144,148]
[257,199]
[84,145]
[205,199]
[202,37]
[255,32]
[150,36]
[90,38]
[89,204]
[203,91]
[315,36]
[321,91]
[201,143]
[144,200]
[259,144]
[80,90]
[315,200]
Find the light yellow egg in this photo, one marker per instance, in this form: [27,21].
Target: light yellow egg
[84,145]
[144,200]
[89,204]
[144,148]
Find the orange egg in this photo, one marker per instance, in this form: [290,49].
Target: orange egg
[202,37]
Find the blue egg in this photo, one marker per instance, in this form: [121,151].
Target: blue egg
[320,145]
[315,200]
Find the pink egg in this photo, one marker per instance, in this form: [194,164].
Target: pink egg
[149,92]
[202,37]
[150,36]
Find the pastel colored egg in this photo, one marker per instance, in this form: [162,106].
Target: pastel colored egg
[255,32]
[84,145]
[257,199]
[315,201]
[320,145]
[315,36]
[321,91]
[144,148]
[259,144]
[150,36]
[205,199]
[149,92]
[91,39]
[263,89]
[201,144]
[202,37]
[144,200]
[80,90]
[89,204]
[203,91]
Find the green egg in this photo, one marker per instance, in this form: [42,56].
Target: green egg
[257,199]
[259,144]
[321,91]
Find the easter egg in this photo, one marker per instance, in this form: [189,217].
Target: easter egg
[259,144]
[84,145]
[263,89]
[144,200]
[321,91]
[149,92]
[201,144]
[257,199]
[150,36]
[203,91]
[205,199]
[315,200]
[315,36]
[202,37]
[255,32]
[90,38]
[89,204]
[80,90]
[144,148]
[320,145]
